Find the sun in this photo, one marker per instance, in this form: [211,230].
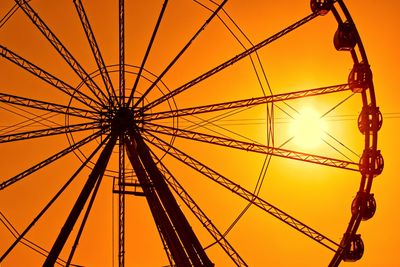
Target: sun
[308,128]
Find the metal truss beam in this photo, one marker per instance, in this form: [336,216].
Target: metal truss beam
[62,50]
[213,15]
[246,102]
[228,63]
[21,236]
[47,106]
[121,201]
[150,45]
[49,160]
[122,52]
[200,215]
[95,177]
[48,132]
[243,193]
[253,147]
[47,77]
[95,50]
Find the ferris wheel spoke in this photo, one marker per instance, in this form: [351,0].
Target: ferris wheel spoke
[242,192]
[228,63]
[48,132]
[255,60]
[253,147]
[121,41]
[246,102]
[153,36]
[200,215]
[341,143]
[49,78]
[47,106]
[8,15]
[95,177]
[31,120]
[96,51]
[51,202]
[49,160]
[213,15]
[62,50]
[204,125]
[337,105]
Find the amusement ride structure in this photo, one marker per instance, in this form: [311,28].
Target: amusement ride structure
[128,134]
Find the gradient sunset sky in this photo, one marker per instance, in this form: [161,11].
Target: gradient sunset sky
[304,59]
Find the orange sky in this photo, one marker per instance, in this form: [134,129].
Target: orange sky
[306,58]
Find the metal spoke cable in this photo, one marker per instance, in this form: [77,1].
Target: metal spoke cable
[26,242]
[202,28]
[222,128]
[281,109]
[342,144]
[336,149]
[62,50]
[49,160]
[219,117]
[242,192]
[21,125]
[337,105]
[33,114]
[241,43]
[51,202]
[252,44]
[228,63]
[256,192]
[283,120]
[256,148]
[200,215]
[8,15]
[291,107]
[95,51]
[286,142]
[96,174]
[254,101]
[49,78]
[36,119]
[150,45]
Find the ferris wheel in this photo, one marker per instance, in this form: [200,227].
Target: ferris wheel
[183,106]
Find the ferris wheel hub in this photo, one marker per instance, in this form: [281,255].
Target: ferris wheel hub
[122,120]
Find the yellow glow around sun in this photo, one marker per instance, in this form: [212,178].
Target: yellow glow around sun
[308,128]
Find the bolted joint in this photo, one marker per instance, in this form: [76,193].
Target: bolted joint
[322,7]
[370,120]
[364,204]
[345,37]
[360,77]
[371,163]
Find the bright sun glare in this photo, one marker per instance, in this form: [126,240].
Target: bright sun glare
[308,128]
